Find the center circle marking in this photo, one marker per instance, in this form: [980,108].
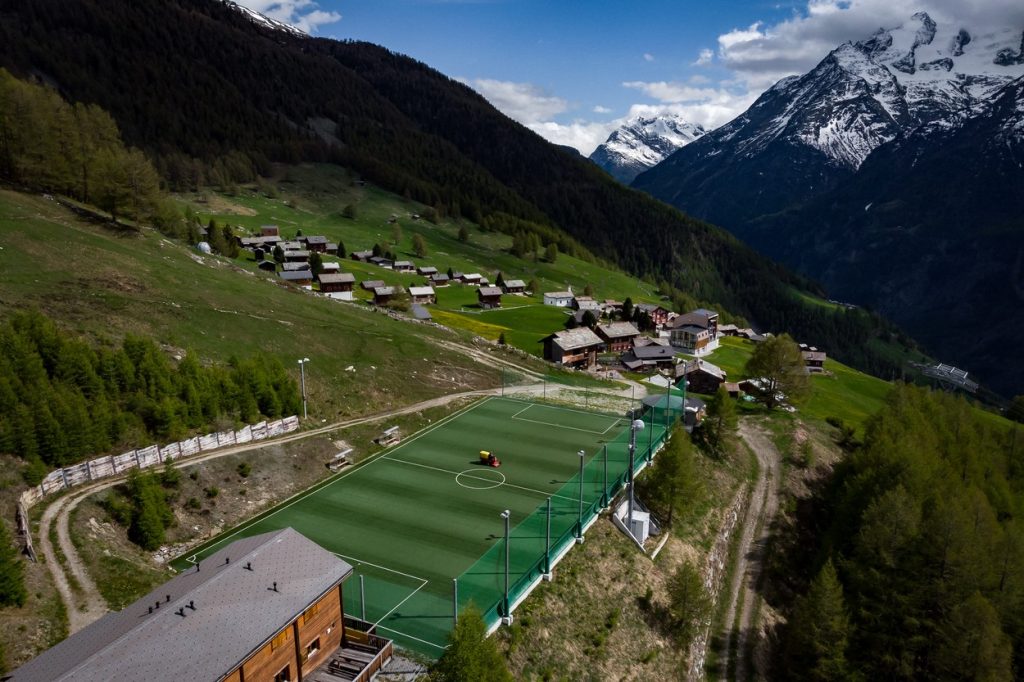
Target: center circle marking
[466,475]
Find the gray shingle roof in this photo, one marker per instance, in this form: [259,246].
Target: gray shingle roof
[235,613]
[490,291]
[295,275]
[571,339]
[618,330]
[515,284]
[337,278]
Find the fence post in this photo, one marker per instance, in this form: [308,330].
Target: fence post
[64,475]
[604,491]
[650,443]
[138,464]
[547,543]
[88,470]
[362,598]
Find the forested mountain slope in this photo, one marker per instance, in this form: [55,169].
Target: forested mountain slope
[207,91]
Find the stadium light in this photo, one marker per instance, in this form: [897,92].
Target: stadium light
[579,534]
[637,425]
[507,618]
[302,375]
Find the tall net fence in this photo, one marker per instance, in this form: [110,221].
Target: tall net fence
[538,541]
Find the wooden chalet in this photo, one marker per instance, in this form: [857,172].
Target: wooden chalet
[426,270]
[329,268]
[298,277]
[371,284]
[514,286]
[572,347]
[559,299]
[814,359]
[267,266]
[489,297]
[658,315]
[617,336]
[700,375]
[382,295]
[267,607]
[695,333]
[292,267]
[381,261]
[337,283]
[361,256]
[586,303]
[472,279]
[422,295]
[438,279]
[403,266]
[649,357]
[298,256]
[317,243]
[270,231]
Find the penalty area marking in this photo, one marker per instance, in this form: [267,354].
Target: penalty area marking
[616,421]
[470,474]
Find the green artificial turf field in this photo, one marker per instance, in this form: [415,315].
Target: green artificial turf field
[426,512]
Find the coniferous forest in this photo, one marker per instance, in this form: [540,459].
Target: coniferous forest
[212,97]
[63,400]
[920,566]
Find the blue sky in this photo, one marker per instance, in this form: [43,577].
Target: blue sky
[574,70]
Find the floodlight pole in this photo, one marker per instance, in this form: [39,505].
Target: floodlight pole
[455,602]
[635,426]
[668,395]
[547,544]
[604,490]
[362,599]
[302,376]
[579,535]
[507,612]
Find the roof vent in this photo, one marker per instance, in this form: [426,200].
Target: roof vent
[248,565]
[274,588]
[167,598]
[227,560]
[191,604]
[158,605]
[181,612]
[151,609]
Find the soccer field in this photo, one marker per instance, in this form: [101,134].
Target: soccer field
[425,512]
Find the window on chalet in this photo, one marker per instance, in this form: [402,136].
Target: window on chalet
[310,613]
[313,648]
[284,675]
[281,639]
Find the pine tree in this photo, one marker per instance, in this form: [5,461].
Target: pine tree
[818,634]
[551,255]
[316,263]
[627,309]
[588,290]
[673,484]
[499,281]
[278,254]
[534,286]
[689,604]
[463,233]
[396,234]
[720,423]
[589,319]
[471,654]
[12,571]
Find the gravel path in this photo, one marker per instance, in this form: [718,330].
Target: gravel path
[744,591]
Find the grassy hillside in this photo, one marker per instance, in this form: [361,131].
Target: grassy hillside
[105,285]
[312,198]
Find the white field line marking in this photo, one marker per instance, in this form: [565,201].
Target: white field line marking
[489,480]
[411,595]
[399,632]
[563,426]
[521,411]
[298,497]
[383,568]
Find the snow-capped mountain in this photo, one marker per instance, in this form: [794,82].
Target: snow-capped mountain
[891,173]
[643,142]
[264,20]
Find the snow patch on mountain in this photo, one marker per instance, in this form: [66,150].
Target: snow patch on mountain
[643,142]
[264,20]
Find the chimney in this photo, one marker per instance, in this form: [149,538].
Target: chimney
[227,560]
[158,605]
[151,609]
[168,597]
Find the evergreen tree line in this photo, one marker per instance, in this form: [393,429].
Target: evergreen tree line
[922,562]
[72,149]
[63,400]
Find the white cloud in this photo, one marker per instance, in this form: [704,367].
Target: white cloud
[525,102]
[704,58]
[602,110]
[582,135]
[304,15]
[648,57]
[709,106]
[762,54]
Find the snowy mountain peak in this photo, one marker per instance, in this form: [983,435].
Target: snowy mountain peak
[264,20]
[642,142]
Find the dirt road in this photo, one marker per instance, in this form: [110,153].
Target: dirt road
[745,590]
